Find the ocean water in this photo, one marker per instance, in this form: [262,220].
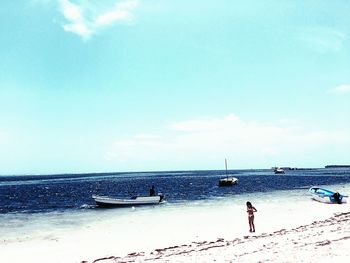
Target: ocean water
[33,194]
[54,216]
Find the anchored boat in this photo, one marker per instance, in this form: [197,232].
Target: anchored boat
[327,196]
[229,180]
[278,170]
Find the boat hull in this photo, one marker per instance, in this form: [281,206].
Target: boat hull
[278,171]
[327,196]
[228,181]
[105,201]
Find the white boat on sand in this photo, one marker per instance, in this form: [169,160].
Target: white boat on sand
[107,201]
[327,196]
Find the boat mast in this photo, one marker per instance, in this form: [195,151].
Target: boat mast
[226,168]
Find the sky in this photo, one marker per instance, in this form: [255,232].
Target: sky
[155,85]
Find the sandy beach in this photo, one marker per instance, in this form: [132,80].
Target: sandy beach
[320,241]
[290,227]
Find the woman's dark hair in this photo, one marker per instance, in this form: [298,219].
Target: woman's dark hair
[249,204]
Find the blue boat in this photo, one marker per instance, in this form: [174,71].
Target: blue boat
[327,196]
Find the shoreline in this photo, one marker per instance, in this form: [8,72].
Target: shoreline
[200,231]
[319,241]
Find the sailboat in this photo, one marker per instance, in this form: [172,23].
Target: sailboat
[229,180]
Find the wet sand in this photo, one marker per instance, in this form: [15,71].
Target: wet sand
[320,241]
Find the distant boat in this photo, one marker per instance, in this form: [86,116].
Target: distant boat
[106,201]
[327,196]
[278,170]
[229,180]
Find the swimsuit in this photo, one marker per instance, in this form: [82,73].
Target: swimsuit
[250,212]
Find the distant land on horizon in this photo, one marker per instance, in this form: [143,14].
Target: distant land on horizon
[337,166]
[167,171]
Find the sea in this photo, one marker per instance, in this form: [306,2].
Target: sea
[57,212]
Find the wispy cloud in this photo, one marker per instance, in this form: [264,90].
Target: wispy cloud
[322,39]
[243,140]
[86,19]
[341,89]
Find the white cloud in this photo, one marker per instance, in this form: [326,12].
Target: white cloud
[341,89]
[71,11]
[242,140]
[322,39]
[86,19]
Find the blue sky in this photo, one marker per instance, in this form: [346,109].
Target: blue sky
[141,85]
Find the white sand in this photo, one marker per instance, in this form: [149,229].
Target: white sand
[321,241]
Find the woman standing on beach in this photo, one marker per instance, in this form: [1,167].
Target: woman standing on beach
[250,210]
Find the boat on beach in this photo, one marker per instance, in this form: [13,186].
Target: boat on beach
[229,180]
[106,201]
[327,196]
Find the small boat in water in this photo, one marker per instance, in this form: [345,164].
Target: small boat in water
[229,180]
[106,201]
[327,196]
[278,170]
